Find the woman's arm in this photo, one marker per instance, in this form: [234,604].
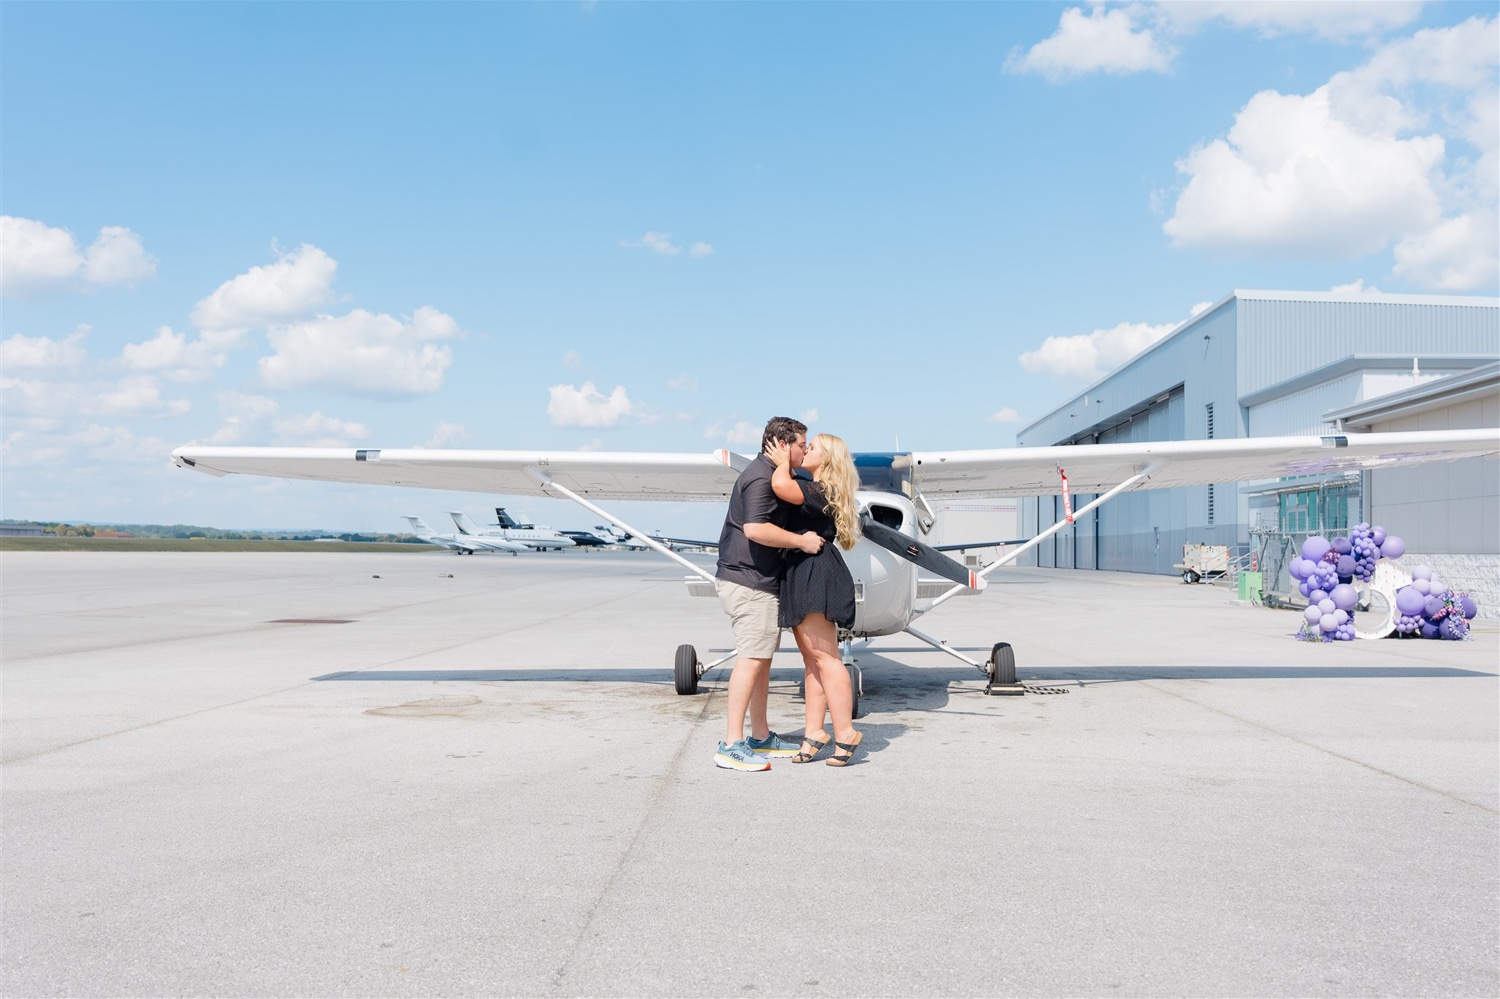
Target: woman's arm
[785,485]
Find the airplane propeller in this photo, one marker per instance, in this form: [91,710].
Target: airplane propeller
[926,556]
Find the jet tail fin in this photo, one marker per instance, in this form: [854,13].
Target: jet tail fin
[463,523]
[419,527]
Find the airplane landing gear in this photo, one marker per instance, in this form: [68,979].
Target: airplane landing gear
[856,682]
[1002,672]
[685,670]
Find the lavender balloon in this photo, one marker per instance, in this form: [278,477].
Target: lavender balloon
[1315,547]
[1313,614]
[1469,607]
[1344,596]
[1377,534]
[1346,566]
[1409,601]
[1392,547]
[1328,622]
[1422,572]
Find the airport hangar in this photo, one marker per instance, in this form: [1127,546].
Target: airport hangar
[1273,363]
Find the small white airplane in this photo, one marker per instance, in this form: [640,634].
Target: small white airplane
[537,538]
[618,538]
[895,499]
[462,544]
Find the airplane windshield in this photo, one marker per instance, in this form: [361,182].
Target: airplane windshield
[886,472]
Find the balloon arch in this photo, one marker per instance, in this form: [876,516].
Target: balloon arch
[1357,573]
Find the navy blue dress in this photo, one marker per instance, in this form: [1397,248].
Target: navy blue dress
[815,584]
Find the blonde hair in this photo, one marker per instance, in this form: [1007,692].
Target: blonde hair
[840,482]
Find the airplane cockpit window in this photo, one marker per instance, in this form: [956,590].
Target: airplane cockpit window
[887,472]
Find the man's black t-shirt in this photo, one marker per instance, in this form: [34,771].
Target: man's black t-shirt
[752,501]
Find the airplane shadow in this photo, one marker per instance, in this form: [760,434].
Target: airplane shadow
[893,687]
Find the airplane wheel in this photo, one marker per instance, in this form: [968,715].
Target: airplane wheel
[854,684]
[1002,664]
[685,671]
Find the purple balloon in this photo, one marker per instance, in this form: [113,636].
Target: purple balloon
[1315,547]
[1470,608]
[1429,630]
[1392,547]
[1342,546]
[1422,572]
[1409,601]
[1327,606]
[1328,623]
[1432,606]
[1313,614]
[1303,588]
[1297,568]
[1377,535]
[1346,565]
[1344,596]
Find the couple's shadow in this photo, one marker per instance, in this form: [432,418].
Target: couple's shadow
[889,687]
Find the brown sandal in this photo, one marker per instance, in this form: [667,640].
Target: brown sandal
[805,757]
[849,747]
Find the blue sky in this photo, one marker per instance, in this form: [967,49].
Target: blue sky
[652,226]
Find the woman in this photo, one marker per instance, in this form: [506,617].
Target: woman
[817,592]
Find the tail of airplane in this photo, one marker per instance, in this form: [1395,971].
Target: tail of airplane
[504,519]
[419,527]
[463,523]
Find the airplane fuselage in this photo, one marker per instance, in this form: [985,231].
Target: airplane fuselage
[885,585]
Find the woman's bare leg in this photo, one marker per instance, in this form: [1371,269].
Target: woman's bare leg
[817,639]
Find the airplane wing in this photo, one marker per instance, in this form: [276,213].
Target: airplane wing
[594,474]
[1095,468]
[649,475]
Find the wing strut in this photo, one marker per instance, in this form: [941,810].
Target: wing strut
[542,479]
[1135,480]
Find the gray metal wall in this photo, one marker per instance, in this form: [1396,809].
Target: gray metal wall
[1250,343]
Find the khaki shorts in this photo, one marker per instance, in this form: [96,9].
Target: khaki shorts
[753,614]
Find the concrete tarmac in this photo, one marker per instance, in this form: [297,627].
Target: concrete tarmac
[483,783]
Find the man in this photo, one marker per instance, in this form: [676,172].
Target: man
[748,579]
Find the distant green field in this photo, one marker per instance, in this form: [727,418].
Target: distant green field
[35,544]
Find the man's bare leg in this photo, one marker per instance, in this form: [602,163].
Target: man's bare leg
[750,680]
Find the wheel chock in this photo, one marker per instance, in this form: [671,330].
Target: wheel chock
[1004,689]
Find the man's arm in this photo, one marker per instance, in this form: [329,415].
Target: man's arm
[775,537]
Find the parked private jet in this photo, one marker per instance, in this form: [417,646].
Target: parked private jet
[896,496]
[462,544]
[539,538]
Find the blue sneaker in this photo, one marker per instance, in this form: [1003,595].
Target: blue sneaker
[772,745]
[737,756]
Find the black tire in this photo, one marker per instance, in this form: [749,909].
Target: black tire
[685,670]
[854,687]
[1002,664]
[1189,576]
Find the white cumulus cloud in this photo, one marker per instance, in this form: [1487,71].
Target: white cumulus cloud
[1142,37]
[1375,158]
[117,257]
[586,406]
[1092,355]
[295,286]
[1101,40]
[173,355]
[446,435]
[741,433]
[1004,415]
[37,259]
[661,243]
[316,430]
[44,352]
[1341,21]
[363,353]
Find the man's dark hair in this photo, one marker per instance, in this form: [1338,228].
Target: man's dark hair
[781,428]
